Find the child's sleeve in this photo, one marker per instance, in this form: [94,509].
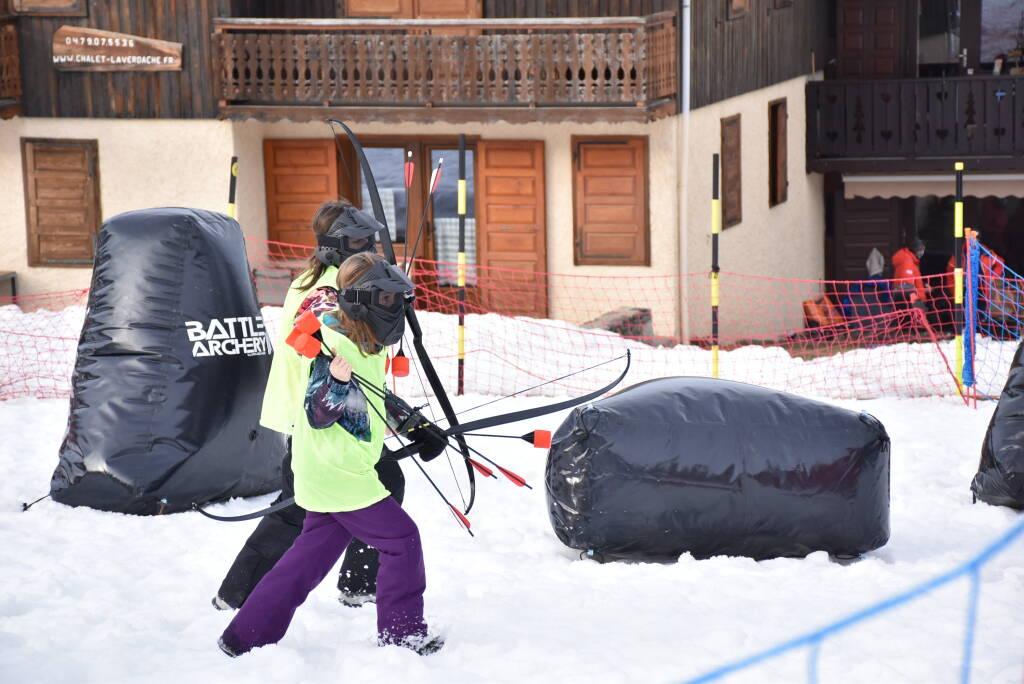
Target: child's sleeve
[319,301]
[329,401]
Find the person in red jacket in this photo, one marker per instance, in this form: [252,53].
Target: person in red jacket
[992,268]
[906,269]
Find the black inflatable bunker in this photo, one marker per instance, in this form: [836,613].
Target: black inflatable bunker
[713,467]
[1000,478]
[172,363]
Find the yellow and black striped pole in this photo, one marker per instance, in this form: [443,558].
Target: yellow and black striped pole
[461,274]
[958,275]
[716,229]
[232,187]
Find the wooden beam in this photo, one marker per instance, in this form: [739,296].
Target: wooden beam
[585,24]
[454,114]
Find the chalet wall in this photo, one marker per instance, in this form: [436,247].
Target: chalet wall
[141,164]
[786,241]
[766,46]
[558,185]
[186,94]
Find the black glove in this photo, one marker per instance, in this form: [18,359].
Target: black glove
[428,439]
[417,433]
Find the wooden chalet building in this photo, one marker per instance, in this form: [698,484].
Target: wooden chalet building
[591,127]
[914,86]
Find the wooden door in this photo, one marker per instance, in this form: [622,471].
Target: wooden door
[610,201]
[511,226]
[872,37]
[300,176]
[863,224]
[62,201]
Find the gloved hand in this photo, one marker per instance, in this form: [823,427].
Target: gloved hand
[428,439]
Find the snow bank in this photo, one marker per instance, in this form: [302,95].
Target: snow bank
[91,597]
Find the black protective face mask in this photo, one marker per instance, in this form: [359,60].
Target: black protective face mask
[379,299]
[354,231]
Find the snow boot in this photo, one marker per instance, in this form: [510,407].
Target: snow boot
[221,604]
[356,600]
[423,645]
[228,651]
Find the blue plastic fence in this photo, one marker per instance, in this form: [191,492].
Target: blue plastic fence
[993,321]
[813,641]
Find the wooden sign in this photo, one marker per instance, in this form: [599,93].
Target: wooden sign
[76,48]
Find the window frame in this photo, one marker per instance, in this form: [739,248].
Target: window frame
[578,258]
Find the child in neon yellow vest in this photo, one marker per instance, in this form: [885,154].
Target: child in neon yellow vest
[351,231]
[335,448]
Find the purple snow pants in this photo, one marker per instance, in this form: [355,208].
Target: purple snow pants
[265,615]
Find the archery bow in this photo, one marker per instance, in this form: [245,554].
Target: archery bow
[455,430]
[410,313]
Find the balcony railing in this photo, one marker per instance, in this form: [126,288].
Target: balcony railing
[398,69]
[10,67]
[916,124]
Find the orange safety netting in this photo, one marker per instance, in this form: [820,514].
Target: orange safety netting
[832,339]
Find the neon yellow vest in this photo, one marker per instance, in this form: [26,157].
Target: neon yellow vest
[286,389]
[334,471]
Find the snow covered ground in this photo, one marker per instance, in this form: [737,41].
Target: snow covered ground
[88,596]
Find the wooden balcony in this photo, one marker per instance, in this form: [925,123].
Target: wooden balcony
[922,124]
[622,68]
[10,69]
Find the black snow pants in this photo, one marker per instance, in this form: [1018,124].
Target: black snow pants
[276,532]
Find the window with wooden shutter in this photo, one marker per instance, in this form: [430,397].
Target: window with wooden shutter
[300,176]
[610,201]
[62,201]
[778,173]
[732,187]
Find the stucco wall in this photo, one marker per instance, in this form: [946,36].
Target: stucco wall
[141,164]
[170,162]
[571,299]
[785,241]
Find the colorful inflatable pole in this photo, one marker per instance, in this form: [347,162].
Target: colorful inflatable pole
[461,274]
[716,229]
[232,188]
[958,275]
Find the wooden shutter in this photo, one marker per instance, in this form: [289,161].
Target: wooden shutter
[732,187]
[778,171]
[449,9]
[393,9]
[511,225]
[62,201]
[300,176]
[610,201]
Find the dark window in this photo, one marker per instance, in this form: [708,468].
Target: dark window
[778,173]
[610,201]
[62,201]
[732,188]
